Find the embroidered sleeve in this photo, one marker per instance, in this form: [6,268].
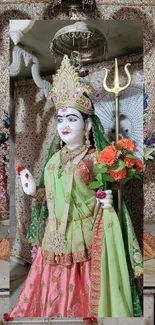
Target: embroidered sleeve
[85,171]
[91,155]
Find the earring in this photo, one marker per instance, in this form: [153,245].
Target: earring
[87,138]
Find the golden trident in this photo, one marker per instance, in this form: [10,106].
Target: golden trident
[116,90]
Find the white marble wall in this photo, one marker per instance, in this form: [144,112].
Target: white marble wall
[149,305]
[4,305]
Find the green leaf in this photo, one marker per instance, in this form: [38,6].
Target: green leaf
[95,185]
[129,155]
[100,168]
[137,176]
[109,178]
[113,187]
[148,152]
[118,165]
[130,172]
[99,177]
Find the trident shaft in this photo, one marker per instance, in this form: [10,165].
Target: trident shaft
[116,90]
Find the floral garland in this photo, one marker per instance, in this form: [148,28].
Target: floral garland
[149,138]
[4,165]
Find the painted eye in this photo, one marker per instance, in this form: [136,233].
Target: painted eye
[59,120]
[72,119]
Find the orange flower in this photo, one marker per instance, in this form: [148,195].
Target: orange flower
[118,175]
[127,144]
[140,165]
[129,161]
[139,170]
[108,155]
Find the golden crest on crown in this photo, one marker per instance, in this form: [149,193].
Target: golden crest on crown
[68,91]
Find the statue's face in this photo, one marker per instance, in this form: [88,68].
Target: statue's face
[70,126]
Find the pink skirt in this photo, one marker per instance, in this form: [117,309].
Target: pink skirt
[54,290]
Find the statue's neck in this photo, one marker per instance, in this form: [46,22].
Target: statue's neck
[74,146]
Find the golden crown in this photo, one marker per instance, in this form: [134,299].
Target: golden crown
[68,91]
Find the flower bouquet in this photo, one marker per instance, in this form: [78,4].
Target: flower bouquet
[116,162]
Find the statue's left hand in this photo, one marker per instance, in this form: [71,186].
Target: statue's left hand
[27,180]
[107,201]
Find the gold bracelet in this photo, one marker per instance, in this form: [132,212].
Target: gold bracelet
[40,194]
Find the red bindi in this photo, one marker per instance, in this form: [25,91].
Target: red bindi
[63,109]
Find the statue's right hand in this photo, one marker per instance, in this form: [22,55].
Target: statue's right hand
[27,180]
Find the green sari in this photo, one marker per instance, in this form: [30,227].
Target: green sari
[71,206]
[114,291]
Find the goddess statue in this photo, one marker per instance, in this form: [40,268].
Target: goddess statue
[85,264]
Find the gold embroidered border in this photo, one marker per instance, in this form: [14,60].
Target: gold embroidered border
[73,220]
[67,259]
[96,265]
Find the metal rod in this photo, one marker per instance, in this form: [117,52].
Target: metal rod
[117,117]
[116,90]
[119,212]
[4,293]
[47,320]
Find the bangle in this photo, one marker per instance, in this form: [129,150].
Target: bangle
[40,194]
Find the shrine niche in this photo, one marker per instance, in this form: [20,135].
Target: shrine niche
[85,71]
[77,53]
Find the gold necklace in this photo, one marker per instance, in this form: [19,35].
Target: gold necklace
[67,155]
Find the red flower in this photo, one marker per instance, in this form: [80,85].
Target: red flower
[108,155]
[139,170]
[100,194]
[7,318]
[127,144]
[140,165]
[19,169]
[129,161]
[90,320]
[118,175]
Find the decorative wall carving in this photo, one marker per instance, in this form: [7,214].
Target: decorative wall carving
[82,37]
[17,55]
[18,28]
